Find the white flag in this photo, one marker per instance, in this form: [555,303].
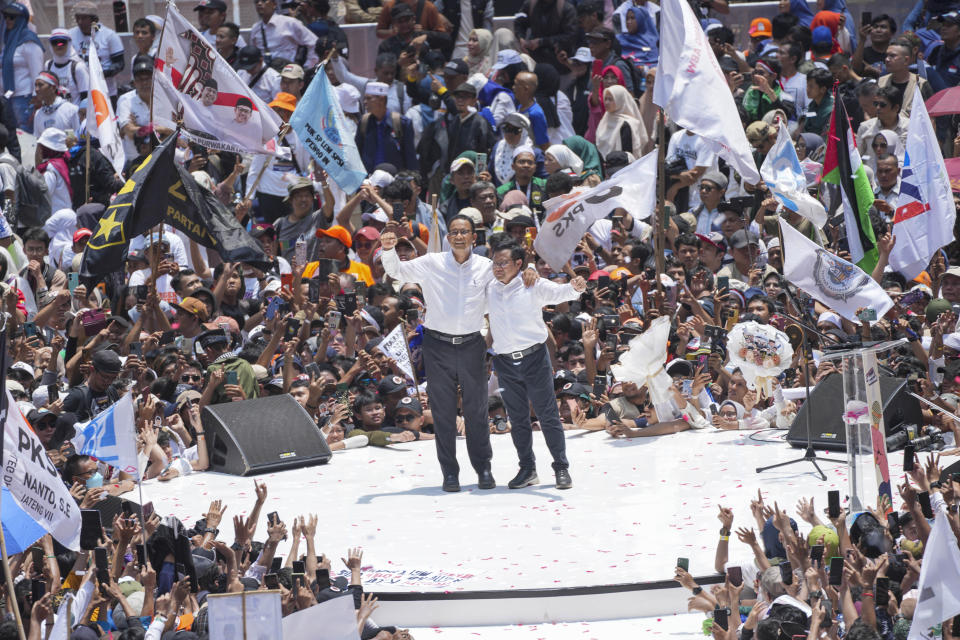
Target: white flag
[434,242]
[692,91]
[838,284]
[334,619]
[567,217]
[110,437]
[219,110]
[925,212]
[784,176]
[394,346]
[34,482]
[101,120]
[939,585]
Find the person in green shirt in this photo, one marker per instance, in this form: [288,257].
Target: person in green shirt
[214,351]
[820,107]
[369,419]
[524,165]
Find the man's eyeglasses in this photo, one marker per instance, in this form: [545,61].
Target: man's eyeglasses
[459,232]
[501,265]
[191,377]
[707,187]
[511,130]
[881,105]
[404,417]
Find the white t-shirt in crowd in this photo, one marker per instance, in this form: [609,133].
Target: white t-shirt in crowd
[130,104]
[696,152]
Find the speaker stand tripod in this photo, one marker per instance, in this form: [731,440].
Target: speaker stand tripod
[809,455]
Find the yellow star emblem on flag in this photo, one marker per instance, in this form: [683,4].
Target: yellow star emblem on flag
[109,230]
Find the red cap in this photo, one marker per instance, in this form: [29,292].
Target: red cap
[596,274]
[367,232]
[81,233]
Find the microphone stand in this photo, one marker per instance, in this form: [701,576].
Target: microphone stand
[809,455]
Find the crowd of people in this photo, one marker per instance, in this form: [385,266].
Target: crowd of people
[465,133]
[850,575]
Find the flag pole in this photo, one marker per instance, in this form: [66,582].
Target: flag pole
[284,129]
[163,28]
[9,580]
[661,195]
[86,173]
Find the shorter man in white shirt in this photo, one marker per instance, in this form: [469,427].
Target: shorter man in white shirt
[522,361]
[251,68]
[53,110]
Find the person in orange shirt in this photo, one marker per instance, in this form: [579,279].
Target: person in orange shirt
[333,244]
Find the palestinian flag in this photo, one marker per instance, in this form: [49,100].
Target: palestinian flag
[842,167]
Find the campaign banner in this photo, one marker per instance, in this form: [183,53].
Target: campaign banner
[101,119]
[34,481]
[193,83]
[394,345]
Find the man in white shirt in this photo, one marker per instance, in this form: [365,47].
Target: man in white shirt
[133,107]
[699,157]
[282,36]
[522,360]
[106,42]
[454,288]
[53,111]
[211,14]
[260,77]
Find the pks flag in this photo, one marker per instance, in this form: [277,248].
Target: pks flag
[162,190]
[34,481]
[939,585]
[101,120]
[193,81]
[110,437]
[319,124]
[567,217]
[838,284]
[692,90]
[784,176]
[925,212]
[842,167]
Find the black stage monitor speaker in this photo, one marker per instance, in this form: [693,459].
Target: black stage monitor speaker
[826,403]
[262,435]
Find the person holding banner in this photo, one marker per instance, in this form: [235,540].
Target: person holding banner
[522,360]
[454,286]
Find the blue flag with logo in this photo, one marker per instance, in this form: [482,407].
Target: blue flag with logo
[110,438]
[319,123]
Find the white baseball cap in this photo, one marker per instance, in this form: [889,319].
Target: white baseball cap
[583,55]
[506,58]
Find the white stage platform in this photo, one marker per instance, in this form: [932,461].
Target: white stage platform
[677,626]
[635,507]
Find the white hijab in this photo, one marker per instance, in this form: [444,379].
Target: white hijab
[566,158]
[624,111]
[503,152]
[60,228]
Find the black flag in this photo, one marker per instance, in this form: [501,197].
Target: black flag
[160,190]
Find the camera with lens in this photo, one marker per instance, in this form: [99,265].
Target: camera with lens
[499,424]
[931,439]
[717,337]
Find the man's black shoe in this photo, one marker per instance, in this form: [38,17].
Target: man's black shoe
[564,481]
[524,478]
[485,480]
[451,484]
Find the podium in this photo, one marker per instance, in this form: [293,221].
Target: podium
[867,471]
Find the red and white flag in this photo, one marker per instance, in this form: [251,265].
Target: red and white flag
[101,120]
[193,83]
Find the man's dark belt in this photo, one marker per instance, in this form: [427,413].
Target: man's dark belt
[451,338]
[518,355]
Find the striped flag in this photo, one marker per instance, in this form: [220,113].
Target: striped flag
[842,167]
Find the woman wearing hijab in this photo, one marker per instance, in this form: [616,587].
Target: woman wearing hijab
[22,62]
[516,133]
[559,157]
[638,42]
[478,57]
[621,128]
[587,152]
[885,141]
[60,228]
[555,104]
[807,145]
[609,77]
[51,161]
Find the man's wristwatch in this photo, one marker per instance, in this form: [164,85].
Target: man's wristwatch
[697,590]
[724,532]
[936,484]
